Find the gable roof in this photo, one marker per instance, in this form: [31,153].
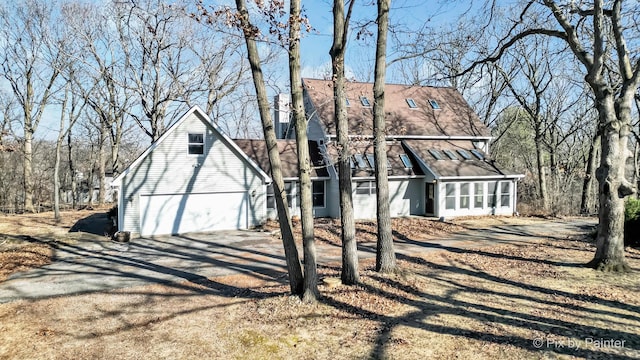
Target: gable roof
[256,149]
[455,118]
[202,116]
[458,167]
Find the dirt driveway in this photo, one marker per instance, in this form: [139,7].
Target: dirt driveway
[98,265]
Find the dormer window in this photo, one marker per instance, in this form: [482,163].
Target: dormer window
[412,104]
[365,102]
[434,104]
[196,144]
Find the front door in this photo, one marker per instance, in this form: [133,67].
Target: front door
[429,192]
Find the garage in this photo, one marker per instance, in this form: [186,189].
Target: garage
[193,212]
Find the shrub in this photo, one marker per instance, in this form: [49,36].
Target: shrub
[632,222]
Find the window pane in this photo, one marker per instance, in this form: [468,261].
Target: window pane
[288,188]
[405,161]
[372,161]
[492,194]
[196,144]
[196,149]
[479,195]
[450,198]
[318,193]
[360,161]
[505,194]
[362,187]
[271,199]
[464,196]
[196,138]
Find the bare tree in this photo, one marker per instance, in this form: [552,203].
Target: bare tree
[250,33]
[29,64]
[596,35]
[350,273]
[304,166]
[71,108]
[385,254]
[155,39]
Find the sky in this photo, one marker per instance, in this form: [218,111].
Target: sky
[315,45]
[360,53]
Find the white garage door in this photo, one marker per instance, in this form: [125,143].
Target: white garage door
[181,213]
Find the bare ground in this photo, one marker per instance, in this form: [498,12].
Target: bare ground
[510,301]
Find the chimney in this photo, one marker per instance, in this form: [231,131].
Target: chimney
[281,116]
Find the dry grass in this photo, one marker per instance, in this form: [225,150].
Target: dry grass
[25,239]
[488,303]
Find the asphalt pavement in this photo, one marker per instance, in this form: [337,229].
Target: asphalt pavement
[102,265]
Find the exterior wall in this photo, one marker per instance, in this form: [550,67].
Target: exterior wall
[169,169]
[294,209]
[404,199]
[503,206]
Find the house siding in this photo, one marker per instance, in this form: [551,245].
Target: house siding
[404,199]
[169,169]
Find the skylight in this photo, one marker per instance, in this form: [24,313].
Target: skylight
[434,104]
[436,154]
[412,104]
[450,154]
[372,161]
[405,161]
[347,102]
[464,154]
[360,161]
[365,101]
[477,154]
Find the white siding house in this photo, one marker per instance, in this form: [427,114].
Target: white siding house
[192,179]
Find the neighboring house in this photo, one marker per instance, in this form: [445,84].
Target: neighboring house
[86,194]
[194,178]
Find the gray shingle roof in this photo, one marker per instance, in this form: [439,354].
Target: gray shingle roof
[454,118]
[472,167]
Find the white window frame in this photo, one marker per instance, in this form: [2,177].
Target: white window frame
[504,194]
[452,196]
[478,195]
[465,196]
[365,187]
[193,143]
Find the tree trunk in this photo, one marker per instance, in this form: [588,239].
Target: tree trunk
[102,161]
[311,292]
[349,274]
[56,167]
[28,170]
[586,199]
[542,174]
[290,249]
[72,171]
[614,122]
[385,254]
